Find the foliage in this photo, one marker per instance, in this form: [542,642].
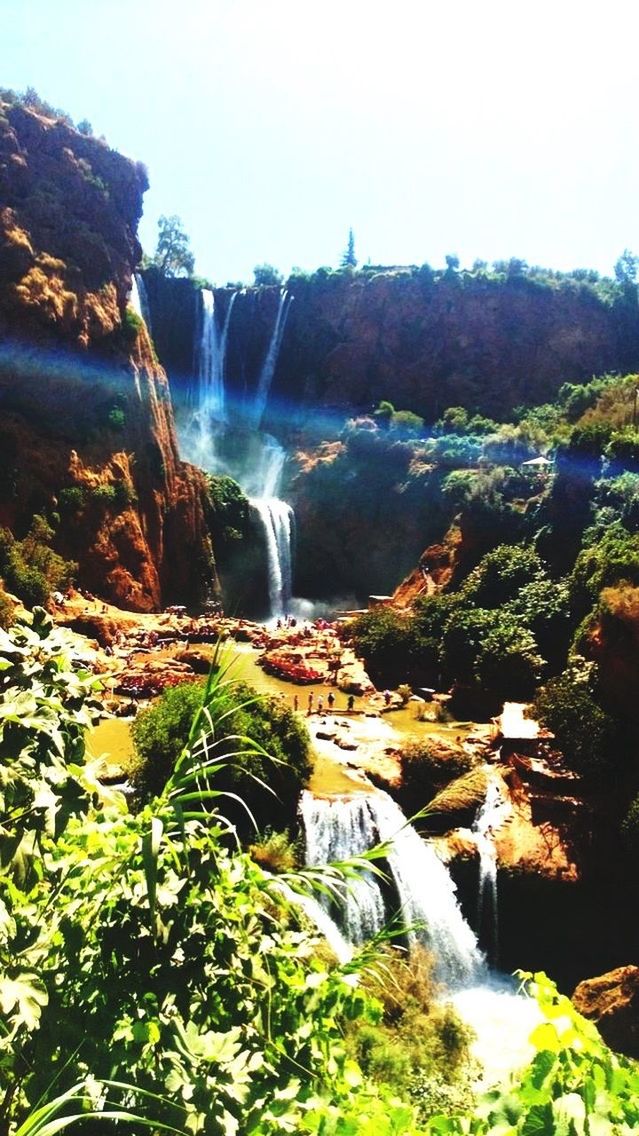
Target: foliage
[140,948]
[606,559]
[417,1035]
[173,256]
[71,499]
[349,260]
[30,568]
[275,851]
[266,274]
[228,511]
[501,574]
[492,650]
[266,784]
[586,734]
[45,692]
[426,768]
[630,828]
[574,1084]
[7,609]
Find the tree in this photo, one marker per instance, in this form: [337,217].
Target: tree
[266,274]
[626,269]
[349,260]
[173,255]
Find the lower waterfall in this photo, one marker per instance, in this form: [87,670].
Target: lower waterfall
[424,893]
[277,522]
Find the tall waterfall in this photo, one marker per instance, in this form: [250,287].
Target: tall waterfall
[211,359]
[338,828]
[277,522]
[270,361]
[256,459]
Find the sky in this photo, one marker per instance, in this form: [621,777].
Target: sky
[481,128]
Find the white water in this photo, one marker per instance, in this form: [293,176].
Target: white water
[338,828]
[318,915]
[277,522]
[210,362]
[270,361]
[139,300]
[259,470]
[490,816]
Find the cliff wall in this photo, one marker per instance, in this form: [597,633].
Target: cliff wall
[424,341]
[87,435]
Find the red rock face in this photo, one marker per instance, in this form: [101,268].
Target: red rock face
[87,431]
[612,1002]
[485,344]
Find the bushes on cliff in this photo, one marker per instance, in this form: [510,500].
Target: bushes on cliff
[30,568]
[590,739]
[161,732]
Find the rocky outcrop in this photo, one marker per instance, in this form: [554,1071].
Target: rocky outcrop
[612,1002]
[87,435]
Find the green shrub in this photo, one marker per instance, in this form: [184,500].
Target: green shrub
[587,735]
[275,851]
[417,1036]
[161,731]
[426,768]
[104,494]
[117,419]
[30,568]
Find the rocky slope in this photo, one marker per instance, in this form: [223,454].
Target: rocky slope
[87,435]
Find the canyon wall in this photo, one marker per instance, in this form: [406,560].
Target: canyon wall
[424,341]
[87,437]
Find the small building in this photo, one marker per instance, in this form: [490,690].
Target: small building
[536,465]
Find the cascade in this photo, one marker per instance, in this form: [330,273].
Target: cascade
[256,411]
[338,828]
[209,364]
[258,461]
[490,816]
[276,518]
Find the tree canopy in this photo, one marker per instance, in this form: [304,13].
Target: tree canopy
[173,254]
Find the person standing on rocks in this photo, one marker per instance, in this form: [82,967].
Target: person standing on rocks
[310,705]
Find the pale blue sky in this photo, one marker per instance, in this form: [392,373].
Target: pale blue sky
[489,129]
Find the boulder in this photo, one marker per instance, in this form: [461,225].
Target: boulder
[611,1001]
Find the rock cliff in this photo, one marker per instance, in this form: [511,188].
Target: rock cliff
[425,341]
[87,435]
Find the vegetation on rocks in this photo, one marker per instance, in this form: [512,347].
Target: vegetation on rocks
[150,972]
[269,760]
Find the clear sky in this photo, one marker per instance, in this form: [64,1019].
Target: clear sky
[485,128]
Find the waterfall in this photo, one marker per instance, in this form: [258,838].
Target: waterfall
[258,407]
[210,379]
[255,460]
[277,521]
[489,817]
[337,828]
[139,300]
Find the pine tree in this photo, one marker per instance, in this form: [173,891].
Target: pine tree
[349,260]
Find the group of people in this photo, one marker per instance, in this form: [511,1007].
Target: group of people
[319,707]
